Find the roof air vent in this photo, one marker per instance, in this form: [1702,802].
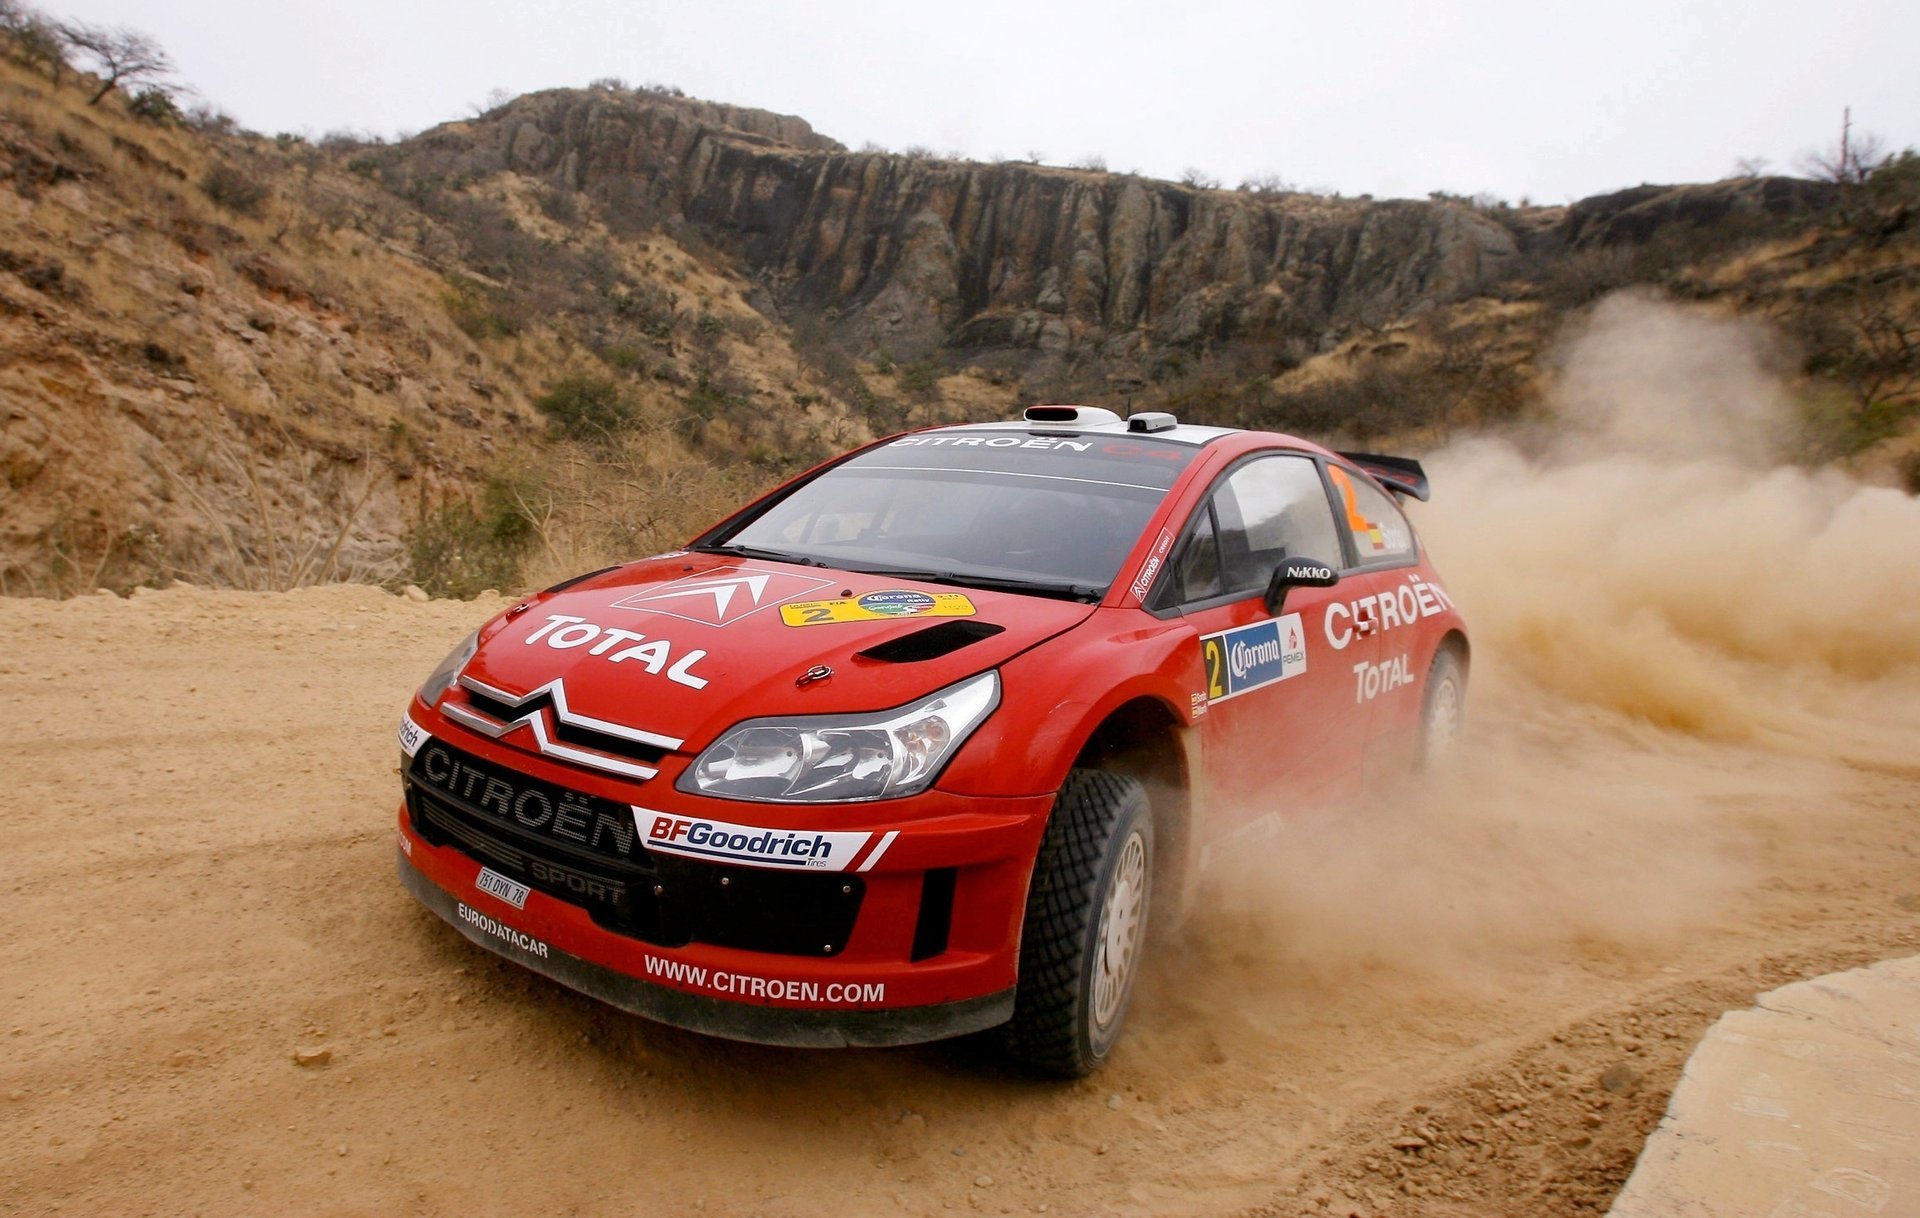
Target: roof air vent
[1084,416]
[1152,420]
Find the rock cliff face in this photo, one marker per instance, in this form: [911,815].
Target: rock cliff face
[1637,215]
[913,254]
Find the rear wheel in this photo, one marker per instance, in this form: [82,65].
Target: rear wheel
[1443,708]
[1085,927]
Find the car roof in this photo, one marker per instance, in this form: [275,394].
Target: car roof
[1096,420]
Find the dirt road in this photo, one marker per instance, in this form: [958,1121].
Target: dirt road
[1690,776]
[1460,1003]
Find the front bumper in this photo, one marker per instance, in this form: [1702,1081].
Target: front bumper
[762,1023]
[889,922]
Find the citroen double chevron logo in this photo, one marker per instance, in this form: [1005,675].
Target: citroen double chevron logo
[532,711]
[723,595]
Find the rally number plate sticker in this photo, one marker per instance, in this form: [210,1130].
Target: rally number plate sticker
[877,607]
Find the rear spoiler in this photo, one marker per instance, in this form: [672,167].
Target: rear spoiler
[1401,475]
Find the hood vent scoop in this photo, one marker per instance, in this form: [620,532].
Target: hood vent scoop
[931,643]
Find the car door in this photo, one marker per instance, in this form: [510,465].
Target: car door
[1386,602]
[1281,726]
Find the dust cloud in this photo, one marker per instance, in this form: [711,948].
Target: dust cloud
[1679,637]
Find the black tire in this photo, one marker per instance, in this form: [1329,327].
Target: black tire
[1443,707]
[1088,904]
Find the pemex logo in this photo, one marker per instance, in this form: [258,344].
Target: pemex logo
[721,596]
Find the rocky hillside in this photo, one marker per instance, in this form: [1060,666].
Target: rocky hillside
[920,255]
[579,324]
[235,360]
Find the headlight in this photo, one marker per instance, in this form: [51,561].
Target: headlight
[450,667]
[838,758]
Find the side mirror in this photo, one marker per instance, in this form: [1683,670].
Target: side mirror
[1298,573]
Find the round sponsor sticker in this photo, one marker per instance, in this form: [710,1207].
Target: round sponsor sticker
[896,603]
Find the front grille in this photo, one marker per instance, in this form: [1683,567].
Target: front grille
[587,851]
[565,729]
[620,898]
[499,799]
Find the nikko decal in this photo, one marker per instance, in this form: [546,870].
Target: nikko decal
[721,596]
[877,606]
[753,845]
[412,735]
[1248,657]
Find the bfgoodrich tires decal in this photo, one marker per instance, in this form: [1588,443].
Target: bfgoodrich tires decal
[749,845]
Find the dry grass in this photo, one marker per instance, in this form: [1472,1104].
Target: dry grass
[645,493]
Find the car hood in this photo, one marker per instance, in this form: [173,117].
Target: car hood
[686,646]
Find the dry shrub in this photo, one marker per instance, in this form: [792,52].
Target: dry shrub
[575,507]
[235,189]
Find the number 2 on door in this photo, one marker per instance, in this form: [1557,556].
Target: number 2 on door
[1214,651]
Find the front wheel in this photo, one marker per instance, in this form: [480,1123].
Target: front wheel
[1085,927]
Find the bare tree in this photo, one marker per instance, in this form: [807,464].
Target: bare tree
[121,55]
[1850,162]
[1199,179]
[1881,362]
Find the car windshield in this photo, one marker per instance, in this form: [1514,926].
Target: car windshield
[1025,511]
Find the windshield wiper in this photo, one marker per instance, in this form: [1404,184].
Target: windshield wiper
[758,552]
[1088,593]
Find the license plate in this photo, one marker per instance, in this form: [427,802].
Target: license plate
[493,883]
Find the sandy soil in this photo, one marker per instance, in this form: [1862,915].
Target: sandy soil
[1690,778]
[198,795]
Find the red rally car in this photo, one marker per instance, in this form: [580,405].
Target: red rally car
[909,747]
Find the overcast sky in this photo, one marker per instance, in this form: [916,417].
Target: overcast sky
[1520,98]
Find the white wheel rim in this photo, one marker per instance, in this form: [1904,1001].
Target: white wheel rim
[1121,916]
[1443,722]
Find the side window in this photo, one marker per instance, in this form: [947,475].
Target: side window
[1266,510]
[1269,510]
[1379,531]
[1196,573]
